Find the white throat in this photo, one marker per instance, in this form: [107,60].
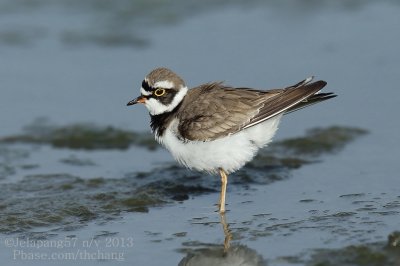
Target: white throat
[155,107]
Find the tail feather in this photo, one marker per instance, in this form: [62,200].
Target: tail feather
[313,99]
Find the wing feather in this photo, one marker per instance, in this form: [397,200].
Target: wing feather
[203,117]
[288,98]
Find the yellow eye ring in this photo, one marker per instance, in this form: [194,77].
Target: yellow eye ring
[159,92]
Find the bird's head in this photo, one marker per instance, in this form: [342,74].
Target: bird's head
[162,90]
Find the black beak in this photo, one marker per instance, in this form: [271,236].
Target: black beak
[140,99]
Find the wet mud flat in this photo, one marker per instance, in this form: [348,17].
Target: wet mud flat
[65,200]
[39,206]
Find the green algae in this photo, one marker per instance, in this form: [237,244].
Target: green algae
[89,137]
[373,254]
[10,160]
[82,212]
[321,140]
[394,240]
[94,182]
[63,201]
[365,254]
[293,153]
[115,24]
[81,136]
[22,37]
[140,202]
[73,160]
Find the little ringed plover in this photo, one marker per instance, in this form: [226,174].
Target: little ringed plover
[217,128]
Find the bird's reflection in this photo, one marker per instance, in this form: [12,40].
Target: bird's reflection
[227,232]
[226,254]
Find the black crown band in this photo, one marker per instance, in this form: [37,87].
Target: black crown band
[146,86]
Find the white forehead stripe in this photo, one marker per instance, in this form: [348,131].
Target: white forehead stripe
[144,92]
[165,84]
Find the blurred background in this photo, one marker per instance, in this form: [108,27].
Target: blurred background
[81,61]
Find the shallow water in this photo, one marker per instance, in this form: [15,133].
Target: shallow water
[81,61]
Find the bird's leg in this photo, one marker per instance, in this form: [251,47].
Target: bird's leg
[224,182]
[227,232]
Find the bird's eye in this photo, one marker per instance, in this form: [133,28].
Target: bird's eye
[159,92]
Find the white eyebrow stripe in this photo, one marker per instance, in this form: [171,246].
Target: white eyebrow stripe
[144,92]
[165,84]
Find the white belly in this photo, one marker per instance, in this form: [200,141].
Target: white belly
[230,153]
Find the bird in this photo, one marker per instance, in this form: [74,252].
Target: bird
[216,128]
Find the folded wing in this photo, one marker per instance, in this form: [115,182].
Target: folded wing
[216,110]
